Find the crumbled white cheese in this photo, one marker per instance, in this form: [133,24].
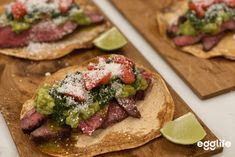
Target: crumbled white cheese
[42,6]
[114,68]
[73,84]
[213,9]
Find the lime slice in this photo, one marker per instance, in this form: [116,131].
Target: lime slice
[184,130]
[110,40]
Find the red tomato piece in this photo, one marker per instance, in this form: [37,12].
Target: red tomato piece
[94,78]
[18,10]
[127,76]
[230,3]
[197,8]
[65,5]
[106,78]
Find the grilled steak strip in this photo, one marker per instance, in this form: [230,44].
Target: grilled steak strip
[115,114]
[44,31]
[31,121]
[129,106]
[47,133]
[186,40]
[211,41]
[208,41]
[90,125]
[8,38]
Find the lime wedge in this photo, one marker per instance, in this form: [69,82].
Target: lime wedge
[184,130]
[110,40]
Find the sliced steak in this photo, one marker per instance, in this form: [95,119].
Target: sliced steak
[210,42]
[90,125]
[115,114]
[44,31]
[140,95]
[172,31]
[31,121]
[186,40]
[147,75]
[228,26]
[8,38]
[47,31]
[47,133]
[129,105]
[95,18]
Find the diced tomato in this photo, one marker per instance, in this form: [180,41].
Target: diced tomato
[123,60]
[65,5]
[95,78]
[230,3]
[192,6]
[198,9]
[18,10]
[77,98]
[106,78]
[127,74]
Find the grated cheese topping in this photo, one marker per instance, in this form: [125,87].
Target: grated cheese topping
[43,6]
[73,84]
[114,68]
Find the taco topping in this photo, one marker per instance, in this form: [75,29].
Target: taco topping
[98,97]
[206,21]
[26,21]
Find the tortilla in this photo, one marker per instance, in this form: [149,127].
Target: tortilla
[156,109]
[167,15]
[80,39]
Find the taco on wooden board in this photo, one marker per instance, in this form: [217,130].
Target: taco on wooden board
[204,28]
[48,29]
[106,104]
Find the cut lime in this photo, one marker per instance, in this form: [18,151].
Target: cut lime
[110,40]
[184,130]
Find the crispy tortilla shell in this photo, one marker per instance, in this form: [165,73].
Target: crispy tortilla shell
[156,109]
[80,39]
[167,15]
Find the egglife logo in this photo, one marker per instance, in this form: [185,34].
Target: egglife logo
[212,145]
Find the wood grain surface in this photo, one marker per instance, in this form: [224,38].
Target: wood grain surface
[19,79]
[207,78]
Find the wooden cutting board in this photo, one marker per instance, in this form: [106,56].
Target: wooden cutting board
[20,78]
[207,78]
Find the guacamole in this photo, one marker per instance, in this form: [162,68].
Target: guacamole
[43,102]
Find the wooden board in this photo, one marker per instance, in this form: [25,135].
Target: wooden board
[207,78]
[20,78]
